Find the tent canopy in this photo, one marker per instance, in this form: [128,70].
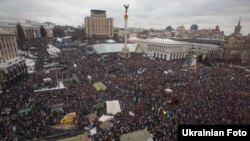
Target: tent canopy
[142,135]
[104,118]
[100,86]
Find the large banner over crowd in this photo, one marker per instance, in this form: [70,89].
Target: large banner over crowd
[113,107]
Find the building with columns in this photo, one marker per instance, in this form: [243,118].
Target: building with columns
[30,31]
[49,32]
[11,65]
[97,26]
[167,49]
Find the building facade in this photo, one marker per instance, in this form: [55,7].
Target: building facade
[194,27]
[30,31]
[167,49]
[49,32]
[98,26]
[11,65]
[235,45]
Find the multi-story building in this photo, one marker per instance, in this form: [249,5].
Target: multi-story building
[194,27]
[98,26]
[36,25]
[235,46]
[180,28]
[30,31]
[8,27]
[11,65]
[49,32]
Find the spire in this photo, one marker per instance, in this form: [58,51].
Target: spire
[237,28]
[239,21]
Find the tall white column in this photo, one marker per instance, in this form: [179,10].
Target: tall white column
[125,49]
[125,32]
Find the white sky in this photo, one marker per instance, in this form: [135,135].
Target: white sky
[157,14]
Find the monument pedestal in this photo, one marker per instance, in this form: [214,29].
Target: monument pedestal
[125,52]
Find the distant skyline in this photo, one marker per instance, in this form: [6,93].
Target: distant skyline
[156,14]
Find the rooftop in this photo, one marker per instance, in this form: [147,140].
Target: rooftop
[11,62]
[112,48]
[4,32]
[157,40]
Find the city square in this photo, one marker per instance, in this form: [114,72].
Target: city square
[101,82]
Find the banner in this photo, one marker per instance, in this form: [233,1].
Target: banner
[69,118]
[113,107]
[194,62]
[99,86]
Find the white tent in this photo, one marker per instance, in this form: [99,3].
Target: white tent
[89,77]
[45,80]
[113,107]
[165,72]
[168,90]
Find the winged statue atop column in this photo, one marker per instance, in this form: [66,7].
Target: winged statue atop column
[126,8]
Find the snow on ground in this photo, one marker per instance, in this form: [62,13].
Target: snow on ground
[52,50]
[30,63]
[110,41]
[60,86]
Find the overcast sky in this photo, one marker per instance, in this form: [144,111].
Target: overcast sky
[155,14]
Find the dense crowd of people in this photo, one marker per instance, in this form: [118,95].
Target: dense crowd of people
[209,95]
